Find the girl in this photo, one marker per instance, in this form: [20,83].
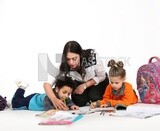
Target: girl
[118,92]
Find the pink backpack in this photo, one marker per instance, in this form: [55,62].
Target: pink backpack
[148,81]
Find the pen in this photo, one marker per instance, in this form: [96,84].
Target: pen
[102,113]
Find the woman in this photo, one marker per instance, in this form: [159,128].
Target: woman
[88,72]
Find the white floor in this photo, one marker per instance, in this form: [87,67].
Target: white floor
[26,121]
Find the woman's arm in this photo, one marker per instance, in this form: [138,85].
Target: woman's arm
[81,88]
[89,83]
[56,102]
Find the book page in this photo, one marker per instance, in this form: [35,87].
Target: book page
[87,110]
[60,118]
[142,107]
[139,110]
[140,115]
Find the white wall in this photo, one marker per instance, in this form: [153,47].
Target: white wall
[127,30]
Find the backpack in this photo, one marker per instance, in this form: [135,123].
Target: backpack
[3,103]
[148,81]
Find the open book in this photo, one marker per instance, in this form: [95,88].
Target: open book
[56,117]
[87,110]
[138,110]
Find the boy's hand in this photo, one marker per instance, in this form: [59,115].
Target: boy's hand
[74,107]
[59,104]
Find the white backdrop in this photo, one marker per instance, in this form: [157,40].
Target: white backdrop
[126,30]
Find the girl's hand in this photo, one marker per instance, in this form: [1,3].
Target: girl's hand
[74,107]
[103,105]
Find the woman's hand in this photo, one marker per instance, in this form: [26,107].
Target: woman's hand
[80,89]
[59,104]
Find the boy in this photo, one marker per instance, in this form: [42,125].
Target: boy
[64,86]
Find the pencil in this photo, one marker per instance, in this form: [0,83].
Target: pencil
[64,100]
[90,102]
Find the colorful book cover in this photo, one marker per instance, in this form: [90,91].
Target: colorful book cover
[58,118]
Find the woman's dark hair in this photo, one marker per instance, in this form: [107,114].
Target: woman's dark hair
[74,47]
[64,80]
[116,69]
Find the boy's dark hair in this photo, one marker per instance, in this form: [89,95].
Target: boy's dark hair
[64,80]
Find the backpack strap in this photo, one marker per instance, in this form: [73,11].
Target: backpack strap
[3,103]
[154,57]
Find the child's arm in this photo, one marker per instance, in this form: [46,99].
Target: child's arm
[129,97]
[71,105]
[56,102]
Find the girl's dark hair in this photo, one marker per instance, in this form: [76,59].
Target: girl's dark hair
[74,47]
[116,69]
[64,80]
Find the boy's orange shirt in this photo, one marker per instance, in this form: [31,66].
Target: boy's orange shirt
[127,96]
